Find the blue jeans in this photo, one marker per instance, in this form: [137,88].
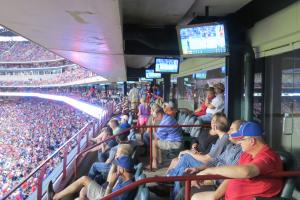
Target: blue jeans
[146,139]
[103,156]
[206,118]
[184,162]
[99,168]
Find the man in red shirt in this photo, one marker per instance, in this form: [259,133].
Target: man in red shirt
[258,159]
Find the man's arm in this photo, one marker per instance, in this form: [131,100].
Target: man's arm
[240,171]
[111,179]
[198,156]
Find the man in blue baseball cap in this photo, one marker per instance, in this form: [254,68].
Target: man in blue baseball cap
[93,191]
[257,159]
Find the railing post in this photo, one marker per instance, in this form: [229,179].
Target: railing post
[150,162]
[75,166]
[87,136]
[78,142]
[187,192]
[40,182]
[65,162]
[94,128]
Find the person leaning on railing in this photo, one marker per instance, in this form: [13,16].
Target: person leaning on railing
[257,159]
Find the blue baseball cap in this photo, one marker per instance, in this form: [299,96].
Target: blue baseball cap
[125,162]
[124,126]
[250,129]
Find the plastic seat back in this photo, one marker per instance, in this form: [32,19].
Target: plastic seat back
[190,120]
[195,131]
[289,163]
[181,117]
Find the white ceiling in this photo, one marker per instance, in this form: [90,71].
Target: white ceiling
[87,32]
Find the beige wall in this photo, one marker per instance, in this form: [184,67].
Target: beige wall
[277,33]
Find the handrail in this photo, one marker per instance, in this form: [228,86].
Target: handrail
[45,161]
[135,127]
[188,180]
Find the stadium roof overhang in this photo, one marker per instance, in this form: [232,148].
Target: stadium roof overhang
[87,32]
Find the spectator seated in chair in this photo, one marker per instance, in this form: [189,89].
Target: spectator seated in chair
[166,138]
[257,159]
[210,95]
[216,105]
[92,190]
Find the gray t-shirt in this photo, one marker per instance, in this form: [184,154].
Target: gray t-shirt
[219,146]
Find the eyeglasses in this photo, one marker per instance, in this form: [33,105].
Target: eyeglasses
[243,139]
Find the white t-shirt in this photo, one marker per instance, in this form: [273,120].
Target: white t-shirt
[218,103]
[134,95]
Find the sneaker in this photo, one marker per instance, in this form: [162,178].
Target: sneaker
[50,191]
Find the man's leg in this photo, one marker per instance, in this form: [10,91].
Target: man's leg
[99,168]
[206,118]
[73,188]
[184,162]
[82,194]
[154,154]
[204,196]
[102,156]
[146,139]
[173,164]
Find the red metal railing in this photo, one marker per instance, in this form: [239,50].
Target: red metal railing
[187,180]
[65,147]
[135,127]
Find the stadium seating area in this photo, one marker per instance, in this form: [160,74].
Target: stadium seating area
[32,129]
[48,64]
[15,51]
[69,74]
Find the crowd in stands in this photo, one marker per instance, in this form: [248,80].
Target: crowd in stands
[68,75]
[56,63]
[31,130]
[24,51]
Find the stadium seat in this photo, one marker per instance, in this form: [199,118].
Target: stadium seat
[181,117]
[289,163]
[189,120]
[143,191]
[195,131]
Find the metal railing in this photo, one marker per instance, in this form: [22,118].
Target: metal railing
[187,180]
[136,127]
[85,131]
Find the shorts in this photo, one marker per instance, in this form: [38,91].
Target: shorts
[142,120]
[95,191]
[167,145]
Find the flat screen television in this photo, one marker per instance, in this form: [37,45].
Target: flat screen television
[151,74]
[200,75]
[143,79]
[202,40]
[167,65]
[223,70]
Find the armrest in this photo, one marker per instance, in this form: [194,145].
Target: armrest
[270,198]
